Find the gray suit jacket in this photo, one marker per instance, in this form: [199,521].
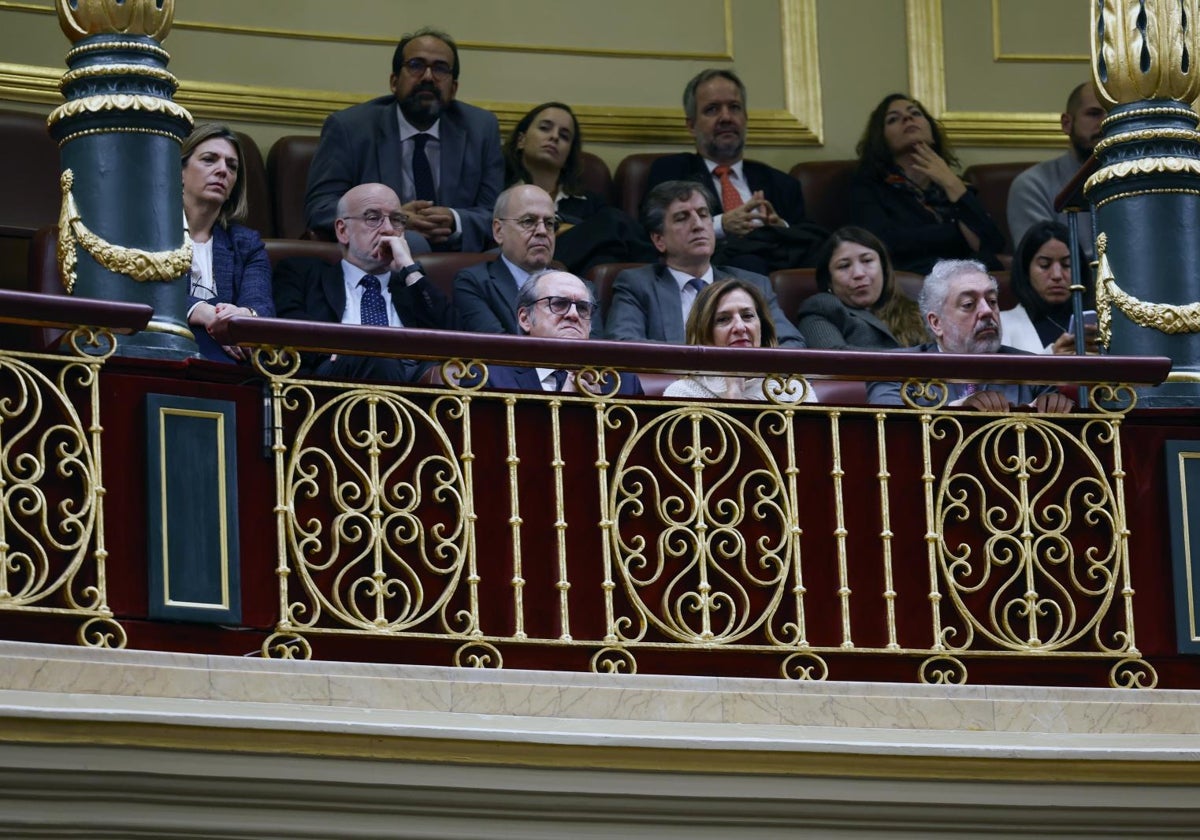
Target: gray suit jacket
[361,145]
[646,306]
[828,324]
[485,295]
[888,393]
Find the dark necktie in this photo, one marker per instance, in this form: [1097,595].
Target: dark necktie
[695,284]
[372,310]
[730,198]
[422,173]
[560,379]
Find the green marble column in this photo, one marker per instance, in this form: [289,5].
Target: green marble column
[121,232]
[1146,192]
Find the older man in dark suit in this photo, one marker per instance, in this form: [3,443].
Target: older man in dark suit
[556,304]
[377,283]
[441,156]
[960,303]
[524,224]
[651,303]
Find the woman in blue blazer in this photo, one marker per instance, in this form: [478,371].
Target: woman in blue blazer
[231,274]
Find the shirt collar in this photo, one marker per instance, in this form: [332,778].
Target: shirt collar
[735,168]
[407,130]
[682,277]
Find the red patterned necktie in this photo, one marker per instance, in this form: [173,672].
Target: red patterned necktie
[730,199]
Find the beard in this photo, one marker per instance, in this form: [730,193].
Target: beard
[422,112]
[724,149]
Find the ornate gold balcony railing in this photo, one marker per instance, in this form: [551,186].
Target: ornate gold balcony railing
[620,529]
[52,549]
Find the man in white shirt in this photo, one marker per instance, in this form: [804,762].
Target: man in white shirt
[377,283]
[652,303]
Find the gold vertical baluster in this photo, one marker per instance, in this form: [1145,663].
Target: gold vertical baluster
[560,522]
[795,532]
[514,518]
[1122,526]
[839,531]
[931,533]
[885,533]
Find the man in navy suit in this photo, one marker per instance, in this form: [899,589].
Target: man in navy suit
[747,195]
[441,156]
[555,304]
[960,303]
[652,303]
[377,283]
[524,224]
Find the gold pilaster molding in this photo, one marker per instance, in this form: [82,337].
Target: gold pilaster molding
[798,123]
[999,55]
[927,82]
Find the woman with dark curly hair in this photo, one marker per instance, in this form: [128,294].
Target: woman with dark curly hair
[1041,280]
[907,192]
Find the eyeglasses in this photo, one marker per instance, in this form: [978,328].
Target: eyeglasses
[562,305]
[373,219]
[417,67]
[529,223]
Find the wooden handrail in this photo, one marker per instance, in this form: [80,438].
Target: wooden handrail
[37,310]
[639,356]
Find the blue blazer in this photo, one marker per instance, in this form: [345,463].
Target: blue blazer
[505,378]
[242,274]
[361,145]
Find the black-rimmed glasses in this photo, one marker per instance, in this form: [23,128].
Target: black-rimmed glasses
[373,218]
[417,67]
[529,223]
[562,305]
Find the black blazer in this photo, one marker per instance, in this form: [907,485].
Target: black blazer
[828,324]
[310,289]
[779,188]
[506,378]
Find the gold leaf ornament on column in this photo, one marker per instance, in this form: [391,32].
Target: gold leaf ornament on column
[83,18]
[1145,49]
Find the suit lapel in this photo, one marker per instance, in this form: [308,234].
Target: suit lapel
[387,146]
[452,137]
[872,319]
[670,304]
[505,286]
[527,379]
[222,264]
[333,289]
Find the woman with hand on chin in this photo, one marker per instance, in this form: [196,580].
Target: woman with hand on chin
[730,313]
[231,274]
[907,193]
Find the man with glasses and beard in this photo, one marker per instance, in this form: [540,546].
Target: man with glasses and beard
[556,304]
[959,302]
[377,284]
[441,156]
[524,225]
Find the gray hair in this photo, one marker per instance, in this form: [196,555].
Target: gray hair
[662,196]
[936,287]
[689,92]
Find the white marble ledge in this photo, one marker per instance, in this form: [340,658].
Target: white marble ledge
[47,681]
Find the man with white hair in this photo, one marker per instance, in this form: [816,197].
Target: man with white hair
[959,302]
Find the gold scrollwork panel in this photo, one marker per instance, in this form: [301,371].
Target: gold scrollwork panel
[703,538]
[374,514]
[51,510]
[1030,537]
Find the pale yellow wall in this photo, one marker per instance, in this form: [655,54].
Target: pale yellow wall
[275,67]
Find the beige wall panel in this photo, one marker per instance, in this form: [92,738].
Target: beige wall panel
[1044,33]
[295,60]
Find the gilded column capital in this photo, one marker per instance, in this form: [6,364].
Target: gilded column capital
[1145,49]
[81,19]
